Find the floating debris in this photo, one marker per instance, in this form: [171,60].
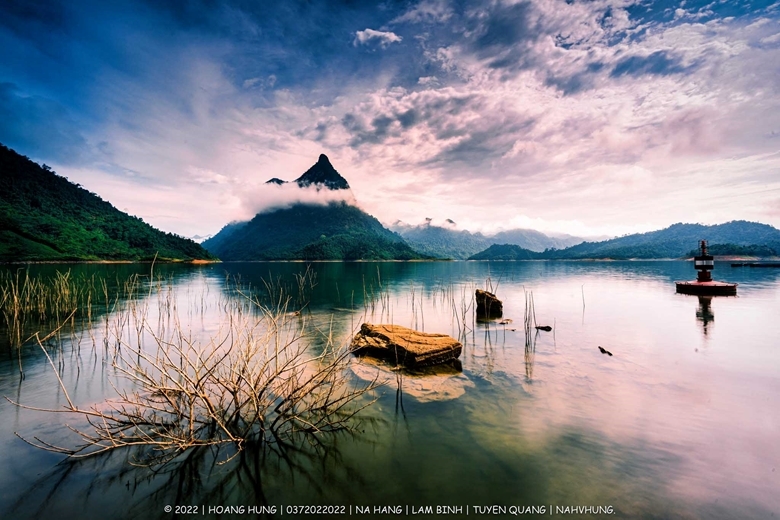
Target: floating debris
[604,351]
[544,327]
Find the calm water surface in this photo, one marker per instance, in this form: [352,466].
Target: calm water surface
[683,421]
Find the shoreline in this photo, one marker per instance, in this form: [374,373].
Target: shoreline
[725,258]
[109,262]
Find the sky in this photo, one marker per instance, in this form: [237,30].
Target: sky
[600,117]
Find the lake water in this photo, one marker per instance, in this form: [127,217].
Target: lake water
[683,421]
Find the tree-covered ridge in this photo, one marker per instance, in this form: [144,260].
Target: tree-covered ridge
[448,242]
[675,241]
[441,242]
[336,231]
[736,250]
[678,241]
[46,217]
[506,252]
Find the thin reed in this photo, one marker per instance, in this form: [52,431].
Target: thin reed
[529,326]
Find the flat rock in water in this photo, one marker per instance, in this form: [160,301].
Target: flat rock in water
[404,346]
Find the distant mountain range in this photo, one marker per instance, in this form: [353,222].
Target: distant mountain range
[46,217]
[738,237]
[328,231]
[445,241]
[43,216]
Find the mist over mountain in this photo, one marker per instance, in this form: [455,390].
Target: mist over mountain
[534,240]
[446,240]
[319,185]
[311,218]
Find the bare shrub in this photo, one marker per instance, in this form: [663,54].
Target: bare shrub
[257,380]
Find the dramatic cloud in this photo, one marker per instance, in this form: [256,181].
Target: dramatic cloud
[583,117]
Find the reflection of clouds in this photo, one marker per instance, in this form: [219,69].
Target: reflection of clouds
[657,429]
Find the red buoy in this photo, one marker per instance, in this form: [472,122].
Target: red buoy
[704,284]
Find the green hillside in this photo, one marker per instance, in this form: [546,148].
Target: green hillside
[533,240]
[337,231]
[678,241]
[441,242]
[735,250]
[46,217]
[506,252]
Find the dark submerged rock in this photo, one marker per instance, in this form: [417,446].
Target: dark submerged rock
[488,306]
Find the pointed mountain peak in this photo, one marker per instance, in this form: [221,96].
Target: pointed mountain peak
[323,174]
[275,180]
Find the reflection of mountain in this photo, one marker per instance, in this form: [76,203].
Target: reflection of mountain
[330,231]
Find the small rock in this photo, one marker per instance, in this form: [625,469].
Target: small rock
[544,327]
[488,306]
[604,351]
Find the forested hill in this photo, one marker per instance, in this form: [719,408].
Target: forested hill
[336,231]
[678,241]
[46,217]
[506,252]
[446,241]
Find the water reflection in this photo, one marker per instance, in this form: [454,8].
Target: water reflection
[656,430]
[202,477]
[529,355]
[704,313]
